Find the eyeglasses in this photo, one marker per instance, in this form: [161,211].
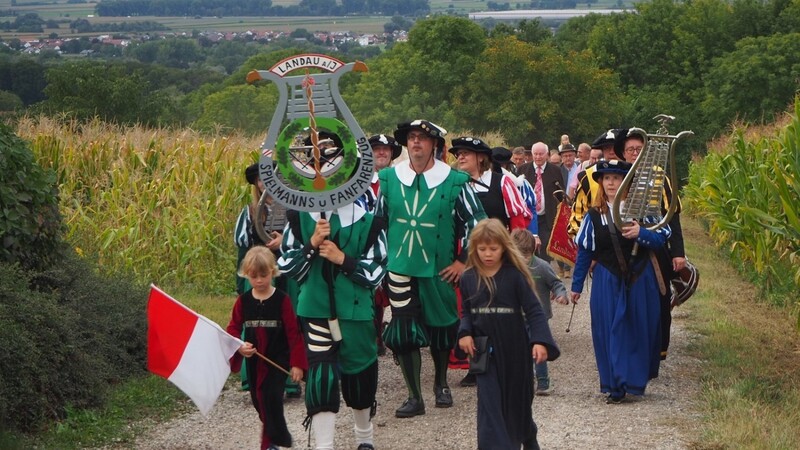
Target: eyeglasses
[418,136]
[633,149]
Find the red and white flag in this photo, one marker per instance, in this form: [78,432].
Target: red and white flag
[188,349]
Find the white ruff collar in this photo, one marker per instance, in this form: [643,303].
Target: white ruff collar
[347,214]
[433,176]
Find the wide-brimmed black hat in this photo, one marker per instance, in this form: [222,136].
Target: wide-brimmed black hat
[501,155]
[382,139]
[470,143]
[433,130]
[567,148]
[251,174]
[613,166]
[607,138]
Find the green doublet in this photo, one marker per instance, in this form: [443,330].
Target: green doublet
[353,301]
[421,235]
[421,238]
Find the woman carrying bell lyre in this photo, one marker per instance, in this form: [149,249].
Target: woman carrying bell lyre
[624,302]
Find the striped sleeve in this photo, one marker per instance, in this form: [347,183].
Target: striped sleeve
[241,235]
[469,211]
[371,266]
[518,213]
[367,201]
[585,241]
[585,236]
[526,190]
[667,196]
[582,203]
[294,261]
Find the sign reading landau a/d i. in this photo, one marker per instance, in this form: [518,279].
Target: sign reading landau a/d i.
[315,156]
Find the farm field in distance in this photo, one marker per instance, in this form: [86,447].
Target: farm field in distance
[60,10]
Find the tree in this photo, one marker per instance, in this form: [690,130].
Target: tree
[573,35]
[242,107]
[528,93]
[635,45]
[533,32]
[85,90]
[530,31]
[755,81]
[415,79]
[704,31]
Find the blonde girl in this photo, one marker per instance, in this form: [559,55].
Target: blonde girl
[499,302]
[271,329]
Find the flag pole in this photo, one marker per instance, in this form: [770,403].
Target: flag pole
[273,363]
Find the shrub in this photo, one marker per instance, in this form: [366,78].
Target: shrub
[30,224]
[67,334]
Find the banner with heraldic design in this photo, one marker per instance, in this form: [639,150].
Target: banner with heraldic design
[315,156]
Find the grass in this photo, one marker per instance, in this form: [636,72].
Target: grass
[132,407]
[750,389]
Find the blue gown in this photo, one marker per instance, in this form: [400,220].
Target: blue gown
[624,304]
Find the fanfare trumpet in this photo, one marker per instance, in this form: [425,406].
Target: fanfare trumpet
[645,181]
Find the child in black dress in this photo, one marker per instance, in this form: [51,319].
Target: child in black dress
[271,328]
[499,302]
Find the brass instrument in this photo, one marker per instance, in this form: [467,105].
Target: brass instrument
[270,216]
[644,183]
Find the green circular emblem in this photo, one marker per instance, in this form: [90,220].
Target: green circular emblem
[300,172]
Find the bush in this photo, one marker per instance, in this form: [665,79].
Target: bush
[67,334]
[30,224]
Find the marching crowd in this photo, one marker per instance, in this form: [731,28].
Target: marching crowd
[460,255]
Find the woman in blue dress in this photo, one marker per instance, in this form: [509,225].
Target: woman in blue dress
[624,300]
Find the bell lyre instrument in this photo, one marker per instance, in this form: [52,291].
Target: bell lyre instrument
[645,182]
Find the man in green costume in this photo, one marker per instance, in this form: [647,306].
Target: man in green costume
[430,210]
[339,258]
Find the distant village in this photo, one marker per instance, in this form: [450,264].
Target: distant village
[333,39]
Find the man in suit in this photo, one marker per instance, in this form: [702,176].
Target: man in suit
[545,178]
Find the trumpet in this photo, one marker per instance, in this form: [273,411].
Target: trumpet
[645,181]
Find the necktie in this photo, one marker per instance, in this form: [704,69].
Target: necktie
[538,191]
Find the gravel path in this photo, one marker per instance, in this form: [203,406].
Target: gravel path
[574,416]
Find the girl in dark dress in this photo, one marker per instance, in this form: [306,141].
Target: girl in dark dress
[499,301]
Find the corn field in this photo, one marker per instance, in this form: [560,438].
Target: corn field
[748,192]
[158,203]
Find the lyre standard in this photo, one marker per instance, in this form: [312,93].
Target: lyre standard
[311,175]
[646,179]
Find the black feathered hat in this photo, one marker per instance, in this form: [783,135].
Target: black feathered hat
[433,130]
[470,143]
[607,138]
[382,139]
[501,155]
